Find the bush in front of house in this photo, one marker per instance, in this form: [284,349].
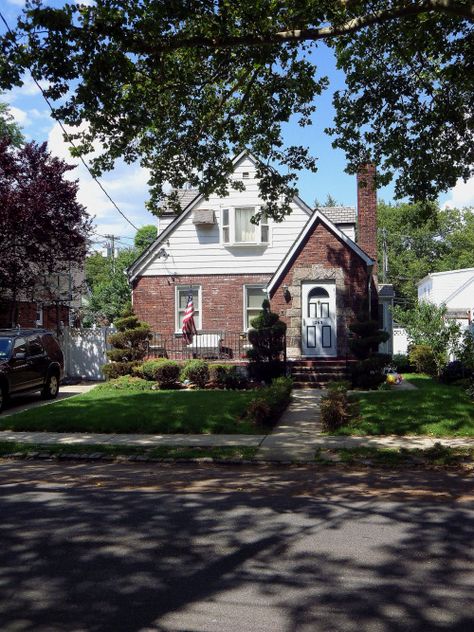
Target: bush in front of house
[454,371]
[402,363]
[268,404]
[267,337]
[113,370]
[165,372]
[334,409]
[197,372]
[422,357]
[227,376]
[127,383]
[129,345]
[366,337]
[368,373]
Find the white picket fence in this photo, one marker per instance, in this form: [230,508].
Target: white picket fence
[85,351]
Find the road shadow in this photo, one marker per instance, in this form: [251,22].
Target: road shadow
[254,550]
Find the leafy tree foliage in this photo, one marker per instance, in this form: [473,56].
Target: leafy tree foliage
[145,236]
[109,290]
[182,85]
[106,278]
[421,238]
[43,229]
[8,127]
[426,324]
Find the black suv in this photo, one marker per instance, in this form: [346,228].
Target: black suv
[30,360]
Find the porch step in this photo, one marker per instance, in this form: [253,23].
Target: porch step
[318,373]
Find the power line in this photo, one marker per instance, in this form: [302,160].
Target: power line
[67,137]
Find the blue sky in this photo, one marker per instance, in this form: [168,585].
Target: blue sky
[127,184]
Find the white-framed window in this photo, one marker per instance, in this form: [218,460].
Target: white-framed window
[39,315]
[181,302]
[238,230]
[254,295]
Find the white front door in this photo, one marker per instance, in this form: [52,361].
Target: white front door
[318,318]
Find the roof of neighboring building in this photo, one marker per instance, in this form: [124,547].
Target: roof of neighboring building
[185,196]
[386,289]
[437,274]
[339,214]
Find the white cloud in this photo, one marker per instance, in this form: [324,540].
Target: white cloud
[17,3]
[20,116]
[126,184]
[461,195]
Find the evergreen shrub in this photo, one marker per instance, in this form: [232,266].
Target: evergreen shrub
[197,372]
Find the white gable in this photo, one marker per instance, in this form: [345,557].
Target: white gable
[188,247]
[454,288]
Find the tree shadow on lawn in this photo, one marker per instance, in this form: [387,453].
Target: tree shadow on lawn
[100,559]
[144,412]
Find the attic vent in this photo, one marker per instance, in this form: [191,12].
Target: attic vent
[245,174]
[204,217]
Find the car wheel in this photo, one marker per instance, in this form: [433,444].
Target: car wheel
[51,387]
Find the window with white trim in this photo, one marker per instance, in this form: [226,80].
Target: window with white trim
[182,294]
[237,228]
[254,295]
[39,315]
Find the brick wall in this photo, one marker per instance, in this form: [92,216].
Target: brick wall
[322,257]
[27,315]
[367,210]
[222,299]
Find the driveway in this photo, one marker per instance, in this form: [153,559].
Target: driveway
[33,400]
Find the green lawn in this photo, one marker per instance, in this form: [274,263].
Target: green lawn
[128,411]
[433,409]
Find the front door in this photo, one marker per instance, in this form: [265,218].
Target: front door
[318,318]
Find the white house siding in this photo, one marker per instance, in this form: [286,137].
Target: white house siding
[438,287]
[196,249]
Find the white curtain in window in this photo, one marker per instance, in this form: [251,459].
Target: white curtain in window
[244,230]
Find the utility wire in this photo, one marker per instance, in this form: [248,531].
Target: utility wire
[67,137]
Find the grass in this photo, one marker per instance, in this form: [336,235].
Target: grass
[109,410]
[390,457]
[434,409]
[161,452]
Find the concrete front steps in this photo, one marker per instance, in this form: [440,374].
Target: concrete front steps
[318,373]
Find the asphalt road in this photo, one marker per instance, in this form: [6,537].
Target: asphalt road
[92,547]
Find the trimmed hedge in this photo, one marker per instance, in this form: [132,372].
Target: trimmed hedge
[197,372]
[165,372]
[114,370]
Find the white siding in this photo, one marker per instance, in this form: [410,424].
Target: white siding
[443,284]
[196,249]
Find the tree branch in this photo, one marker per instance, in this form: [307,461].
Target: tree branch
[406,9]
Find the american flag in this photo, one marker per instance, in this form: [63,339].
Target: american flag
[189,328]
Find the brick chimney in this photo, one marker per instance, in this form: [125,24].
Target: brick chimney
[367,210]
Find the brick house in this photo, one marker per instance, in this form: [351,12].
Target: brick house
[311,268]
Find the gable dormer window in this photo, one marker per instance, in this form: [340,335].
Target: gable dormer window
[237,228]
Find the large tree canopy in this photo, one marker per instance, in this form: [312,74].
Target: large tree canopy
[180,86]
[419,239]
[43,229]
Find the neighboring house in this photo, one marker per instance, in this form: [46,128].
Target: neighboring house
[453,288]
[52,304]
[314,273]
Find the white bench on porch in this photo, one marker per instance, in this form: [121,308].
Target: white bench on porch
[206,345]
